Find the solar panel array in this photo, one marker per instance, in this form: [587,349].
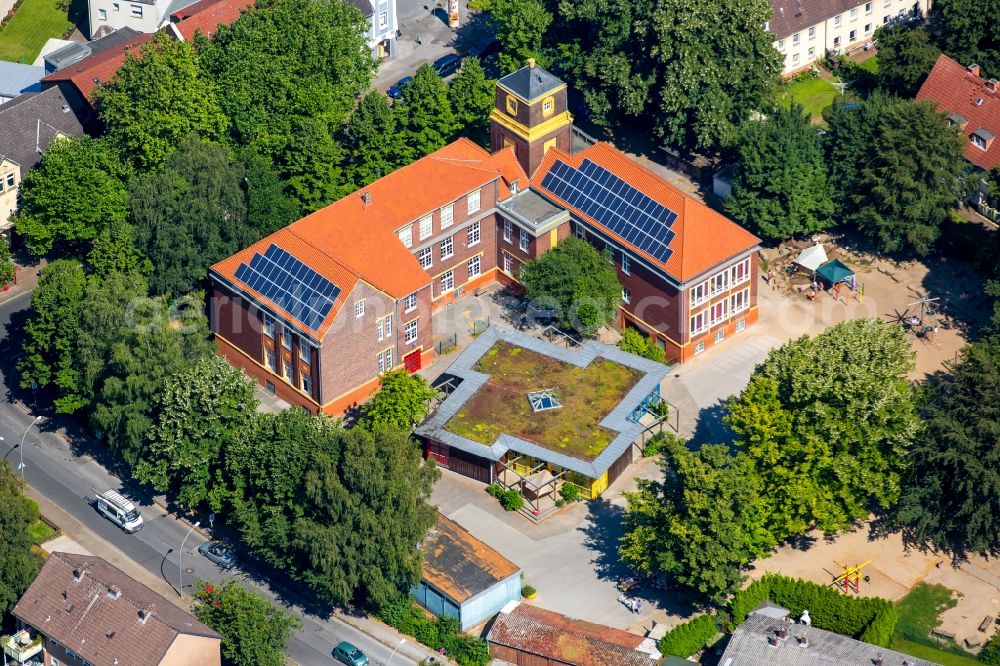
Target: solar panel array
[291,285]
[615,204]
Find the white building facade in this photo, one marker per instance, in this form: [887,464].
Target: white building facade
[806,30]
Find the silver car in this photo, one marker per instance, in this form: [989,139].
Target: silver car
[219,553]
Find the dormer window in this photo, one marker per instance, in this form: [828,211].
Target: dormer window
[956,119]
[548,104]
[511,105]
[982,138]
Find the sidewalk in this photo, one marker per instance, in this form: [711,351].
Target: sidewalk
[25,280]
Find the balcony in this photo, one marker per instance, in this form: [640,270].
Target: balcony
[22,648]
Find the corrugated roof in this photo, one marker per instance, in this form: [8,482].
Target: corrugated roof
[459,564]
[16,79]
[22,134]
[956,90]
[84,617]
[554,636]
[704,238]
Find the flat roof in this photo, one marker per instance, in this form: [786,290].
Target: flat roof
[529,206]
[460,565]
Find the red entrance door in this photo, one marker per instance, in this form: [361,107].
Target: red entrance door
[412,361]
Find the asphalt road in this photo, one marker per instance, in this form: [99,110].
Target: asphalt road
[71,480]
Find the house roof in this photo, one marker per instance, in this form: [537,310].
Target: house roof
[205,16]
[554,636]
[16,78]
[460,565]
[364,6]
[83,616]
[749,647]
[104,61]
[354,239]
[704,238]
[530,82]
[956,90]
[23,134]
[791,16]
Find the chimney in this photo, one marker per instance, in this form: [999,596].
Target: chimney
[992,85]
[366,199]
[531,63]
[110,633]
[773,641]
[78,574]
[146,612]
[783,633]
[804,640]
[114,592]
[973,69]
[878,660]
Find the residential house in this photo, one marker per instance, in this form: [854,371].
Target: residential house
[17,79]
[524,634]
[768,641]
[318,310]
[382,25]
[205,16]
[30,123]
[82,611]
[805,30]
[462,577]
[146,16]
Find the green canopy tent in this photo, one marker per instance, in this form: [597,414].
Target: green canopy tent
[834,271]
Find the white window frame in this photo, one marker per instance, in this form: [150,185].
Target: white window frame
[868,8]
[359,309]
[426,225]
[795,57]
[719,336]
[508,231]
[271,359]
[812,52]
[410,332]
[102,14]
[473,202]
[508,264]
[854,14]
[720,283]
[699,347]
[380,329]
[812,32]
[626,295]
[448,243]
[977,141]
[136,10]
[741,325]
[522,240]
[447,216]
[836,21]
[694,327]
[795,38]
[781,44]
[305,382]
[406,236]
[740,301]
[383,20]
[385,360]
[476,263]
[852,36]
[868,28]
[699,294]
[723,307]
[269,326]
[287,371]
[426,257]
[473,235]
[736,278]
[305,351]
[626,264]
[447,281]
[410,302]
[286,339]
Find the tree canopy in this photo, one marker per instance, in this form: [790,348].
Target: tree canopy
[426,118]
[67,199]
[401,401]
[781,187]
[635,342]
[376,146]
[114,251]
[472,98]
[254,630]
[520,26]
[574,277]
[18,564]
[967,31]
[905,58]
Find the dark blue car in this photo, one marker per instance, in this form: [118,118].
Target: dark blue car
[447,65]
[395,91]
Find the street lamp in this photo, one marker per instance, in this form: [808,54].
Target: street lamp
[394,652]
[180,561]
[20,447]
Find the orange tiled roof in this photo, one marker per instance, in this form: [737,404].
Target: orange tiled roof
[704,237]
[350,240]
[511,170]
[956,90]
[99,68]
[207,15]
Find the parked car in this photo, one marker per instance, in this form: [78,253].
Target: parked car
[395,91]
[350,655]
[447,65]
[219,553]
[120,510]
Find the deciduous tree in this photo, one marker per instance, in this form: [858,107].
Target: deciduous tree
[254,630]
[427,121]
[472,98]
[905,58]
[520,26]
[402,401]
[635,342]
[18,564]
[967,31]
[114,251]
[374,144]
[8,271]
[781,187]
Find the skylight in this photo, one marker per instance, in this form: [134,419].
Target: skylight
[543,400]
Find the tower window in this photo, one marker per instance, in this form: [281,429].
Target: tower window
[548,104]
[511,105]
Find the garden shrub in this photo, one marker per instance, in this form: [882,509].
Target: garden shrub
[636,343]
[990,653]
[687,638]
[527,591]
[658,442]
[511,500]
[436,633]
[870,619]
[570,492]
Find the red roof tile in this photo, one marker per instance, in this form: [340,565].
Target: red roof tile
[206,15]
[99,68]
[956,90]
[704,238]
[545,633]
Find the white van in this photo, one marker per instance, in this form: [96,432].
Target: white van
[119,509]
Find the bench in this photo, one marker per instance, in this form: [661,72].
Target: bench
[985,624]
[944,634]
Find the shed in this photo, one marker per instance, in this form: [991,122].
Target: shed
[463,577]
[834,271]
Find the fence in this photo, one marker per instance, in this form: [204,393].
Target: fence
[447,344]
[478,326]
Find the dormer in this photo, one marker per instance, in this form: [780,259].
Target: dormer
[957,119]
[982,138]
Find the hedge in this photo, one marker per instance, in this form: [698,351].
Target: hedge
[687,638]
[436,633]
[869,619]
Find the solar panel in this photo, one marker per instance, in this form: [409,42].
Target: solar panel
[291,285]
[610,201]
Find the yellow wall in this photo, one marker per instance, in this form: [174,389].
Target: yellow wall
[8,194]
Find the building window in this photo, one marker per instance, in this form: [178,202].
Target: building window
[474,265]
[269,326]
[626,296]
[406,236]
[854,13]
[699,322]
[868,28]
[548,104]
[580,231]
[626,264]
[885,20]
[508,231]
[781,43]
[699,294]
[836,42]
[383,20]
[307,382]
[359,308]
[115,6]
[868,8]
[410,332]
[426,257]
[740,301]
[426,227]
[511,105]
[10,180]
[902,13]
[812,32]
[448,281]
[740,325]
[978,141]
[699,348]
[410,303]
[380,329]
[385,360]
[795,58]
[719,336]
[102,14]
[447,247]
[508,264]
[836,21]
[472,235]
[812,52]
[741,271]
[472,202]
[286,368]
[286,339]
[720,282]
[136,10]
[270,358]
[305,351]
[719,311]
[447,216]
[852,36]
[523,240]
[795,38]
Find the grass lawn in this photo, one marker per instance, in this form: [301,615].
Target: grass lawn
[501,405]
[870,65]
[813,95]
[40,532]
[34,22]
[933,654]
[918,616]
